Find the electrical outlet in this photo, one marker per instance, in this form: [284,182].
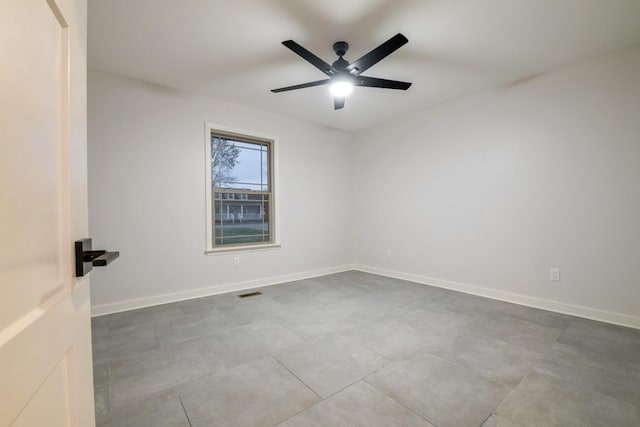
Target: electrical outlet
[554,274]
[236,262]
[388,253]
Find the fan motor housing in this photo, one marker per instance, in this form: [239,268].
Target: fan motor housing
[340,48]
[340,64]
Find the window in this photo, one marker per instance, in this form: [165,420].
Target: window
[240,191]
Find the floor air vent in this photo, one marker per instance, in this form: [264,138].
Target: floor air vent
[251,294]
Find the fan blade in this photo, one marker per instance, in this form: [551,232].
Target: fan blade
[302,86]
[338,102]
[310,57]
[383,83]
[377,54]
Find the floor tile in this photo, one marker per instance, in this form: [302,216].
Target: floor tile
[197,304]
[189,326]
[242,344]
[254,309]
[316,321]
[161,369]
[159,410]
[259,393]
[434,340]
[392,297]
[102,399]
[387,337]
[493,359]
[360,308]
[123,342]
[420,290]
[314,295]
[421,315]
[359,405]
[616,342]
[102,387]
[500,421]
[313,304]
[343,277]
[437,327]
[207,303]
[329,364]
[99,322]
[443,393]
[613,378]
[101,372]
[284,288]
[535,315]
[515,331]
[461,303]
[343,282]
[142,315]
[373,282]
[541,400]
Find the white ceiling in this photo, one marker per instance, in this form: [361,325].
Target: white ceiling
[230,49]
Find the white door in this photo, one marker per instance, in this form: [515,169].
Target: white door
[45,334]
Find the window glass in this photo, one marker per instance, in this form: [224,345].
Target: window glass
[241,191]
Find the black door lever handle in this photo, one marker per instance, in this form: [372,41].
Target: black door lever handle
[86,258]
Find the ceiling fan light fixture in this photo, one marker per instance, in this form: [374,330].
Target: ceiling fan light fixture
[342,75]
[341,88]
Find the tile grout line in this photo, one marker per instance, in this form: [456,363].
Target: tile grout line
[395,400]
[109,383]
[298,378]
[309,388]
[347,386]
[185,411]
[510,393]
[488,416]
[378,369]
[531,370]
[454,364]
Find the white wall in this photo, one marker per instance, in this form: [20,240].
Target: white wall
[488,192]
[147,194]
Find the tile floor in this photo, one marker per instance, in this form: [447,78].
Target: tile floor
[356,349]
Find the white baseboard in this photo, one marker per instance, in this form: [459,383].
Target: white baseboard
[559,307]
[116,307]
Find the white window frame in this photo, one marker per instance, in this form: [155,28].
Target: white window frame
[275,194]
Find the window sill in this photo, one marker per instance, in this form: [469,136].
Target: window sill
[238,249]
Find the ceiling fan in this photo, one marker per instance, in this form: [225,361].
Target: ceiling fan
[343,75]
